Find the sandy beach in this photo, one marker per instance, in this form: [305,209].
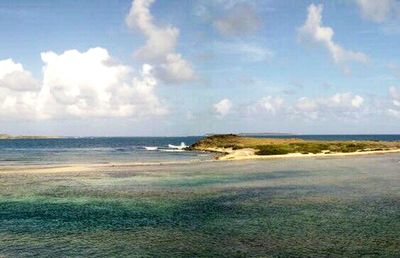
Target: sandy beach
[220,155]
[250,154]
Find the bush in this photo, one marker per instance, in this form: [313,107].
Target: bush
[272,150]
[310,147]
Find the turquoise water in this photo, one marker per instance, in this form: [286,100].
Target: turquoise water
[306,207]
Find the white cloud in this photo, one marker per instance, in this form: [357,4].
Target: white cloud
[240,19]
[394,112]
[337,105]
[160,40]
[268,104]
[223,107]
[395,95]
[308,107]
[379,10]
[86,84]
[14,77]
[18,91]
[314,31]
[18,104]
[160,46]
[340,104]
[395,98]
[306,104]
[345,100]
[176,69]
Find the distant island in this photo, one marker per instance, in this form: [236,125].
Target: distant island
[10,137]
[236,147]
[264,134]
[256,134]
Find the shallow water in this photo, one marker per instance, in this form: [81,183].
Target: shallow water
[310,207]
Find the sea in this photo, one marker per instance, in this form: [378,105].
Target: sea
[140,150]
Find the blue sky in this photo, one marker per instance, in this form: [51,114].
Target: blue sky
[193,67]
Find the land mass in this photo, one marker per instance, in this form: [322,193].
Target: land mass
[235,147]
[7,137]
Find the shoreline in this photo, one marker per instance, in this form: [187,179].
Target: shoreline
[226,154]
[235,147]
[230,155]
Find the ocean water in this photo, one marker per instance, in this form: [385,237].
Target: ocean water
[97,150]
[125,149]
[311,207]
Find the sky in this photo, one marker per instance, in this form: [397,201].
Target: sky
[191,67]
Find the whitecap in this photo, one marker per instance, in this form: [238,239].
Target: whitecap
[151,148]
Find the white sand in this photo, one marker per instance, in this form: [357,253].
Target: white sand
[224,154]
[248,153]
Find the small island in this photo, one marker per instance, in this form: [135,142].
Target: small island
[12,137]
[235,147]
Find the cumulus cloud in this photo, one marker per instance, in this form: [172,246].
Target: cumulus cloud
[223,107]
[239,20]
[160,46]
[176,69]
[340,104]
[268,104]
[160,40]
[18,104]
[394,93]
[91,84]
[314,31]
[379,11]
[307,107]
[13,76]
[86,84]
[337,105]
[345,100]
[18,91]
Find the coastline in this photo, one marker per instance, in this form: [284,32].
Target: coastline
[249,154]
[222,155]
[99,209]
[235,147]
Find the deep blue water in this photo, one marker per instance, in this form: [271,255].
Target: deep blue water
[124,149]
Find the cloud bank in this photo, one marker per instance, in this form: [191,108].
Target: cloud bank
[340,105]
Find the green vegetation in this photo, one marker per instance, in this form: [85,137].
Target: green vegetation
[273,149]
[274,146]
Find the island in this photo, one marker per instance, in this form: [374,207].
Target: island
[236,147]
[12,137]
